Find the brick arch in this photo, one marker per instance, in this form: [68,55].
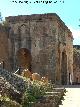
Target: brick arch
[24,58]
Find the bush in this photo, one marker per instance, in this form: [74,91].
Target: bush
[35,91]
[6,102]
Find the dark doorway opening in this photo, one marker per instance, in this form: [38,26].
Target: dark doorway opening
[24,58]
[76,80]
[69,78]
[64,69]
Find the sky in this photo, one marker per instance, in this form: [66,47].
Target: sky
[68,11]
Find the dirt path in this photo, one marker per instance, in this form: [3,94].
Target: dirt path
[71,98]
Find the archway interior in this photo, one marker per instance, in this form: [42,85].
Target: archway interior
[24,58]
[64,69]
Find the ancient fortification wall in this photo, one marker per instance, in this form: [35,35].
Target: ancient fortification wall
[76,64]
[4,48]
[48,40]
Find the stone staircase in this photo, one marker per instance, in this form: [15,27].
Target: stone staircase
[51,99]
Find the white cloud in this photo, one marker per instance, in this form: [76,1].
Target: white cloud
[76,35]
[75,32]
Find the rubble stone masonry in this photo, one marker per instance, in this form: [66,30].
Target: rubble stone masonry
[48,40]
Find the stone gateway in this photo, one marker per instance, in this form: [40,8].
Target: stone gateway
[43,44]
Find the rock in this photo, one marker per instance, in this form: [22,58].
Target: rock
[26,73]
[36,76]
[7,89]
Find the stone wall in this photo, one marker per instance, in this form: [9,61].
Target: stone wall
[47,38]
[36,34]
[64,54]
[69,49]
[76,64]
[4,53]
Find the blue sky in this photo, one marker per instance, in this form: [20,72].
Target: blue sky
[68,11]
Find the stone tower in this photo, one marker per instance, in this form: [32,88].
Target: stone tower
[44,44]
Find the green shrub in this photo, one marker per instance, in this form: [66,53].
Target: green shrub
[35,91]
[6,102]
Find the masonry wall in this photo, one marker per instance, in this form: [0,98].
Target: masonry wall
[64,44]
[70,57]
[76,64]
[38,36]
[47,38]
[43,52]
[4,54]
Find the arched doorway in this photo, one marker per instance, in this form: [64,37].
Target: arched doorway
[64,69]
[24,58]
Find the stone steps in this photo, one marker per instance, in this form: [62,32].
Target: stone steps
[51,99]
